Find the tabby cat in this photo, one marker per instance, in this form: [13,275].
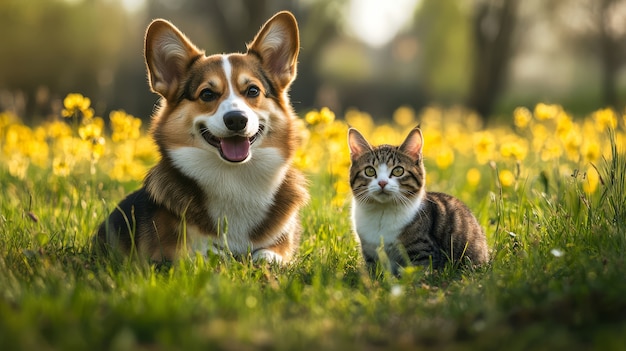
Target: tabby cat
[392,211]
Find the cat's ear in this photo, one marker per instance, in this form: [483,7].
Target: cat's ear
[358,144]
[413,143]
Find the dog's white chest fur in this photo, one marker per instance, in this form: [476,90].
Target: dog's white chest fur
[238,196]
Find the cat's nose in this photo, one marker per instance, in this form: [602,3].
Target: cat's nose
[382,184]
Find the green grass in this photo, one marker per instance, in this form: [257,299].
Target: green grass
[556,279]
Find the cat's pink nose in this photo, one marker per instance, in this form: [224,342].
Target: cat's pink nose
[382,184]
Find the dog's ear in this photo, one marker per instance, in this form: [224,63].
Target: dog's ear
[168,54]
[278,44]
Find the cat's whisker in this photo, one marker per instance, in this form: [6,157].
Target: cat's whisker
[406,198]
[362,196]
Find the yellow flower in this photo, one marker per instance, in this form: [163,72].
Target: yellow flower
[312,117]
[604,119]
[506,178]
[404,116]
[360,120]
[324,116]
[385,134]
[540,135]
[127,169]
[335,132]
[514,149]
[342,189]
[431,116]
[17,138]
[571,143]
[92,130]
[91,133]
[473,121]
[433,141]
[146,150]
[62,166]
[521,117]
[590,184]
[484,146]
[545,111]
[124,126]
[40,134]
[590,151]
[58,130]
[18,165]
[302,160]
[551,150]
[445,157]
[76,103]
[73,148]
[97,149]
[7,118]
[37,151]
[564,125]
[473,177]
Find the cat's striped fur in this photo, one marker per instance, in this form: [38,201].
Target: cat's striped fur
[392,210]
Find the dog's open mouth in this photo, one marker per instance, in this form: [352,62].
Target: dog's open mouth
[235,148]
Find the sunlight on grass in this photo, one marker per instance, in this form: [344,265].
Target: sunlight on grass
[548,187]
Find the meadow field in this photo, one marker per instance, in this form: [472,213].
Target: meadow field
[548,187]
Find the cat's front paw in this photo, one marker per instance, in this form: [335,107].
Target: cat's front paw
[267,256]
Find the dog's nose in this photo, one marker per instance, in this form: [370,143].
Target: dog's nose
[235,120]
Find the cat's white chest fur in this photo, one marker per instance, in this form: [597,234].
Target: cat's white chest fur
[376,222]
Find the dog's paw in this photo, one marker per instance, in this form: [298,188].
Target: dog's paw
[267,256]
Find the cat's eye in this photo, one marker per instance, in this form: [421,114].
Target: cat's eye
[398,171]
[370,171]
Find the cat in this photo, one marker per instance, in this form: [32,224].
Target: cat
[393,212]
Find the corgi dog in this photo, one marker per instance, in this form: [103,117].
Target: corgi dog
[226,134]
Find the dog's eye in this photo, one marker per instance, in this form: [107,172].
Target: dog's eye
[208,95]
[253,91]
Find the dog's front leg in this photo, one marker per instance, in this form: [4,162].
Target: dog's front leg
[267,256]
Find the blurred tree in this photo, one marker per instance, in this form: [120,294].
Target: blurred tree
[441,28]
[465,50]
[493,26]
[610,42]
[60,45]
[53,47]
[320,24]
[455,51]
[595,28]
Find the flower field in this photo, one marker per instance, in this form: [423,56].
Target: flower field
[549,188]
[456,143]
[79,143]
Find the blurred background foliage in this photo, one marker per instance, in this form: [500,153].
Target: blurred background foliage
[488,55]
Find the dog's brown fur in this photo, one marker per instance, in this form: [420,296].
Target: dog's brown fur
[195,185]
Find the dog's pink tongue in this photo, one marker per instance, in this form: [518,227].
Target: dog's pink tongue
[235,149]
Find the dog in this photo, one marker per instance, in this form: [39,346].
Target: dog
[226,133]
